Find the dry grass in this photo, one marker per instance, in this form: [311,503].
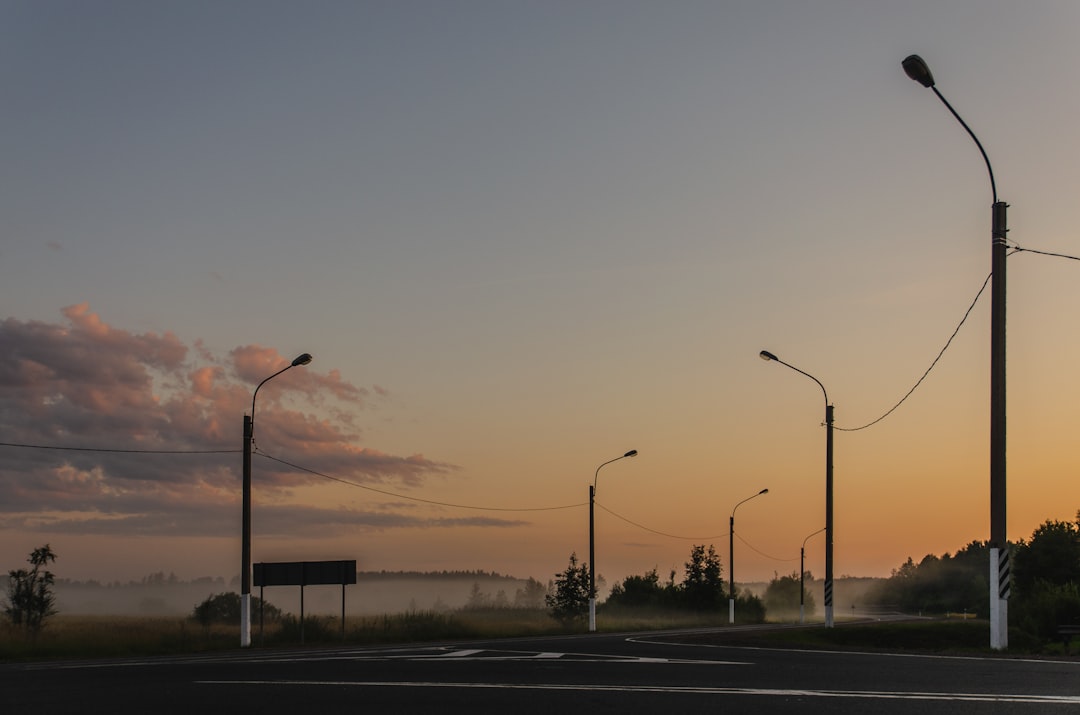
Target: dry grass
[71,636]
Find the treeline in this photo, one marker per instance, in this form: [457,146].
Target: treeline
[702,590]
[428,575]
[158,579]
[1045,581]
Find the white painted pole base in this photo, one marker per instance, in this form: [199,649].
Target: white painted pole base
[731,611]
[245,620]
[999,607]
[592,615]
[829,623]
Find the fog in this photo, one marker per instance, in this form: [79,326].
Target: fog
[372,594]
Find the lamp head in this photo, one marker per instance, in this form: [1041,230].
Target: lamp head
[766,356]
[764,491]
[631,453]
[301,360]
[918,70]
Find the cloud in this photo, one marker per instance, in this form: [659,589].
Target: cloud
[220,521]
[83,388]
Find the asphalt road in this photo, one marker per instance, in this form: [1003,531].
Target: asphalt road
[594,673]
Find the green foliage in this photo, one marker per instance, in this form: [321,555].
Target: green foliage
[1044,606]
[1051,557]
[782,596]
[31,599]
[569,599]
[701,591]
[641,591]
[750,608]
[703,585]
[1045,580]
[225,608]
[939,585]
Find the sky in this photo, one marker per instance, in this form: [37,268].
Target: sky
[520,239]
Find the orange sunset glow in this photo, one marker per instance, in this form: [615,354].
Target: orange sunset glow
[519,241]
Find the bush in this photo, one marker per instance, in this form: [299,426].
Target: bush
[225,608]
[750,608]
[1044,606]
[30,592]
[782,596]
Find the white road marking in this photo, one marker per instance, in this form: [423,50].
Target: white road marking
[773,692]
[490,655]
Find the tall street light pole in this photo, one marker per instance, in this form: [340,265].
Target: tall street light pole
[802,577]
[245,549]
[768,356]
[919,71]
[731,556]
[592,540]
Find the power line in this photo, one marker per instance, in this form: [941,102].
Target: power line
[935,362]
[1015,249]
[654,531]
[1018,249]
[119,451]
[406,496]
[691,538]
[759,552]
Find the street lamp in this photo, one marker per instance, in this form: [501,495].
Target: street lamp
[245,549]
[802,576]
[592,540]
[919,71]
[731,556]
[768,356]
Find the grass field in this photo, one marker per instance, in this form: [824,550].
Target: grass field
[76,637]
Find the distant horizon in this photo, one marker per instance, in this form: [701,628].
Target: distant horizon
[374,593]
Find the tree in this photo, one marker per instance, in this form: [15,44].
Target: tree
[1046,576]
[30,592]
[569,599]
[703,587]
[532,596]
[638,591]
[782,595]
[1052,555]
[938,584]
[478,600]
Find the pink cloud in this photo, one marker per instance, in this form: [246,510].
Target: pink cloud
[84,383]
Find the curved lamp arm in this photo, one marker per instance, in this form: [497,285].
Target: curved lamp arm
[917,69]
[767,356]
[302,359]
[631,453]
[763,491]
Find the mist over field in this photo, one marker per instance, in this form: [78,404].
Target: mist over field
[373,594]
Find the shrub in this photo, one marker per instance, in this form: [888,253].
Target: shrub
[1044,606]
[225,608]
